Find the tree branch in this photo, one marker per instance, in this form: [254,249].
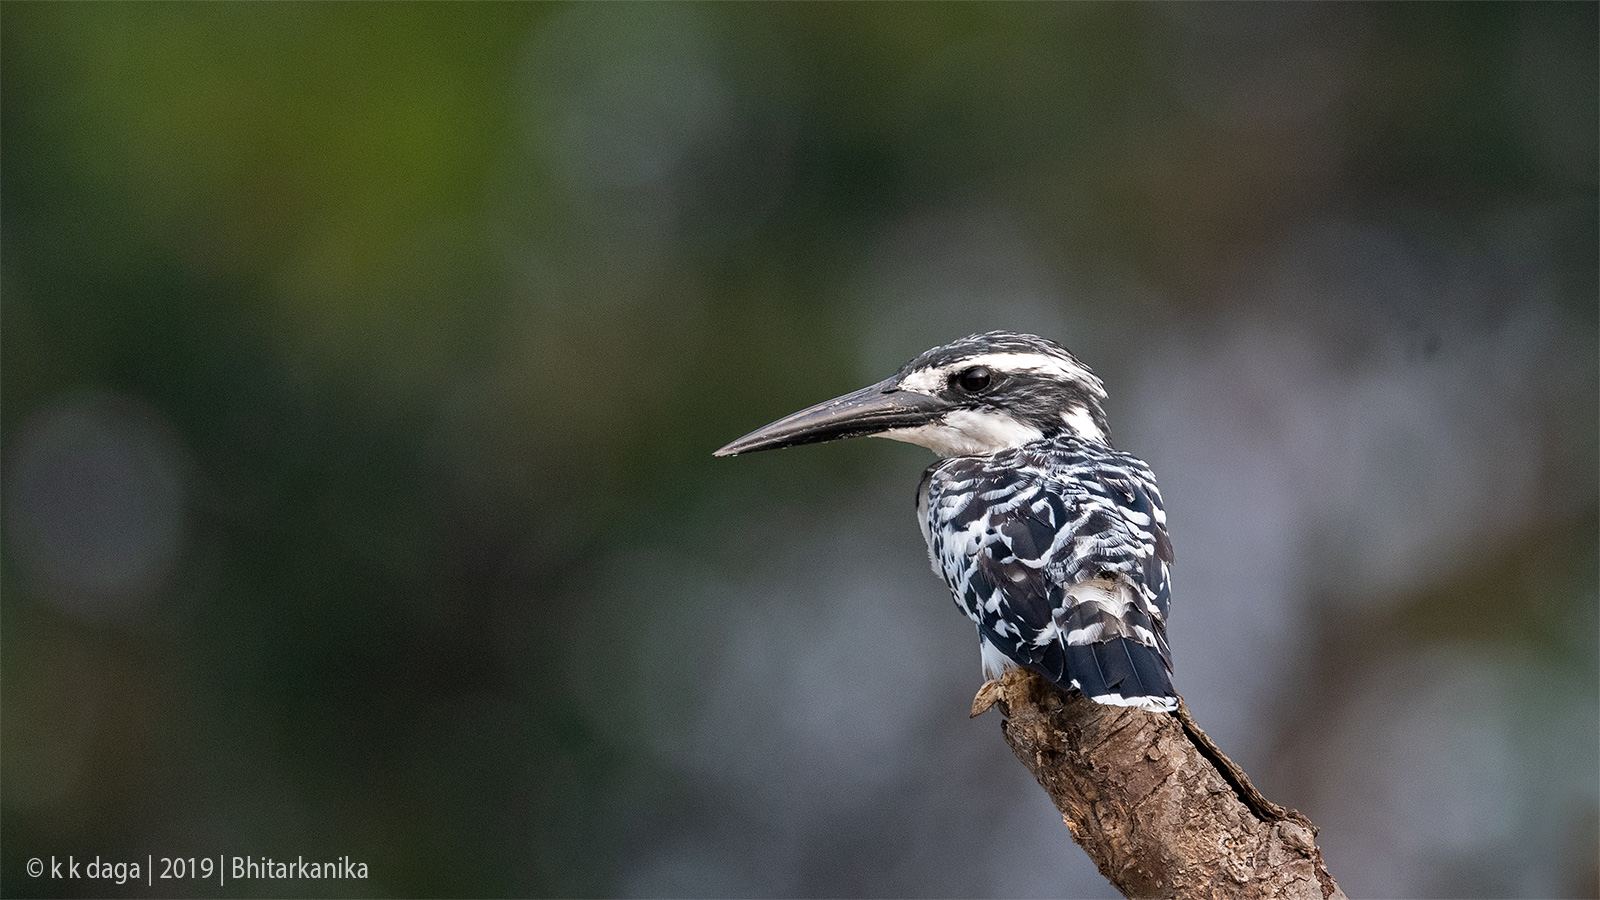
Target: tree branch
[1160,810]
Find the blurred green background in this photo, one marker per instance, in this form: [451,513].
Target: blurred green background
[362,365]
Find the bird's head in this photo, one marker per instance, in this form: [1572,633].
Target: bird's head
[973,397]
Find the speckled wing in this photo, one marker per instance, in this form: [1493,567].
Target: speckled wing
[1060,555]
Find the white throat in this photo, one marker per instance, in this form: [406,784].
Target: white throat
[968,432]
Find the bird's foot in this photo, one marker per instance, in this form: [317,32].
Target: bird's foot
[987,696]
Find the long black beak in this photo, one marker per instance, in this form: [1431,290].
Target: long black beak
[870,410]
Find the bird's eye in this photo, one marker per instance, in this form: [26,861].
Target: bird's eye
[973,380]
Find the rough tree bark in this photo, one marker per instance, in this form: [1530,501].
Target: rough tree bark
[1158,807]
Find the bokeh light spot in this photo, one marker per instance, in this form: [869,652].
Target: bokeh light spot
[94,503]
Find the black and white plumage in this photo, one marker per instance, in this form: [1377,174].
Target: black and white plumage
[1052,542]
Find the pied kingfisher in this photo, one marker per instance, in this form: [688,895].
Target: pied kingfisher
[1052,542]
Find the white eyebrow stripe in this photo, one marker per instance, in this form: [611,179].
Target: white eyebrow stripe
[932,380]
[1031,362]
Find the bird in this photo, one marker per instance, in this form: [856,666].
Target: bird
[1051,541]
